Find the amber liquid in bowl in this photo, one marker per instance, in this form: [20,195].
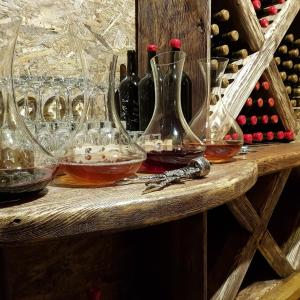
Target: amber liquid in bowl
[219,153]
[101,174]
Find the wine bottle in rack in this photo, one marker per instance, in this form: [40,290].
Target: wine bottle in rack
[282,50]
[289,38]
[283,76]
[296,91]
[296,68]
[264,22]
[225,83]
[146,92]
[296,43]
[231,36]
[221,16]
[263,136]
[293,53]
[277,60]
[289,135]
[294,102]
[214,30]
[117,95]
[248,138]
[267,11]
[128,91]
[288,89]
[233,68]
[244,120]
[186,86]
[222,50]
[286,65]
[256,4]
[240,54]
[292,78]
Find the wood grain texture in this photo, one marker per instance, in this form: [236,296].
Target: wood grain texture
[159,262]
[159,21]
[275,157]
[257,224]
[288,289]
[275,256]
[65,211]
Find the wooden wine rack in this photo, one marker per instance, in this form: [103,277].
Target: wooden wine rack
[263,42]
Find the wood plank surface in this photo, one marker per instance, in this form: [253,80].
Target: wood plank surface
[71,211]
[271,158]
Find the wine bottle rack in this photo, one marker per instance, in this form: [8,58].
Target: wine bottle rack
[263,43]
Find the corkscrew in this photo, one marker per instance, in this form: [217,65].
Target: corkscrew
[198,167]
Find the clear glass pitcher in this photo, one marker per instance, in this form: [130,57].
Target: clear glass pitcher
[25,166]
[168,140]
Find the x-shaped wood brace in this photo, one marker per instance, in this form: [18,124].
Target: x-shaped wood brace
[261,239]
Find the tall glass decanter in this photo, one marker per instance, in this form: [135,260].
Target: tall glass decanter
[101,152]
[25,167]
[168,140]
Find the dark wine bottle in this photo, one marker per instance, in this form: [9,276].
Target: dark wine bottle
[264,22]
[267,11]
[117,95]
[277,60]
[128,91]
[231,36]
[214,30]
[248,139]
[146,92]
[256,4]
[240,54]
[186,86]
[221,16]
[263,136]
[243,120]
[221,50]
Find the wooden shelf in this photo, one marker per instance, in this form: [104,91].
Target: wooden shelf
[70,211]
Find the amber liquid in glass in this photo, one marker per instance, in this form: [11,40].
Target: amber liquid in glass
[99,174]
[218,153]
[18,183]
[161,161]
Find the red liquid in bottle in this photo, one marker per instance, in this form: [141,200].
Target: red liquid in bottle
[161,161]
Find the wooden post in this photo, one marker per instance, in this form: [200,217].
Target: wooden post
[189,20]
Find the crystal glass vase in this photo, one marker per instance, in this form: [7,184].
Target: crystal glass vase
[25,166]
[168,140]
[223,135]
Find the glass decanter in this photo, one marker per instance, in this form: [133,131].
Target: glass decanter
[168,140]
[101,151]
[223,136]
[25,167]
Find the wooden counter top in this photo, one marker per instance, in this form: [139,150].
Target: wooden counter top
[271,158]
[67,212]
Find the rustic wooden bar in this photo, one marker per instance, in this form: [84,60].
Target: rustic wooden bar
[70,240]
[135,246]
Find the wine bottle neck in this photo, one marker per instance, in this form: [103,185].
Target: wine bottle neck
[151,54]
[131,63]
